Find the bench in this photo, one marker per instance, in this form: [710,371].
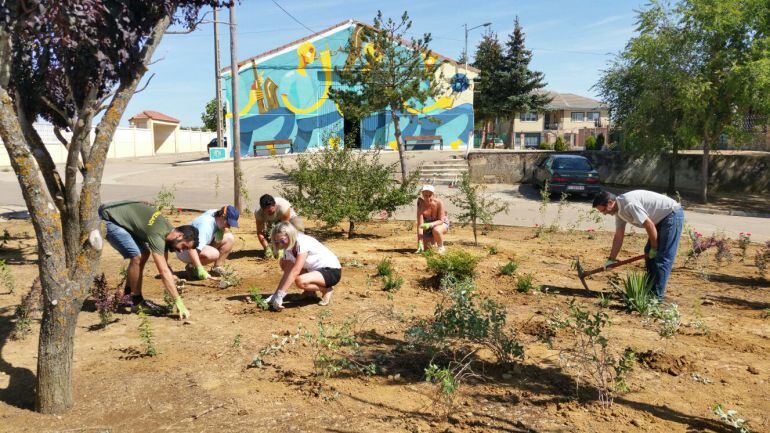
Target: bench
[270,147]
[423,142]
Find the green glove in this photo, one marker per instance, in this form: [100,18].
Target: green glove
[218,235]
[269,253]
[202,274]
[653,253]
[280,255]
[425,226]
[180,308]
[420,247]
[609,262]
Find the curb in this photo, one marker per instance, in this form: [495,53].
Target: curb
[728,212]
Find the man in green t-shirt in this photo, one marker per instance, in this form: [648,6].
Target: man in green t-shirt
[139,231]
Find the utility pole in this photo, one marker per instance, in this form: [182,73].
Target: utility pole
[237,174]
[218,79]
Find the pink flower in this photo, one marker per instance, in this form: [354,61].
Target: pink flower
[748,234]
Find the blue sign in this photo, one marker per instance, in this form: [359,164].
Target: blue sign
[217,153]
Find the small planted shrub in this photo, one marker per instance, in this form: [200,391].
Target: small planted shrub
[257,298]
[761,259]
[509,268]
[337,348]
[23,315]
[670,320]
[590,353]
[6,277]
[274,348]
[230,278]
[464,317]
[106,301]
[164,199]
[476,207]
[146,334]
[590,142]
[492,250]
[744,240]
[447,381]
[560,145]
[391,283]
[453,264]
[385,267]
[636,293]
[524,283]
[731,418]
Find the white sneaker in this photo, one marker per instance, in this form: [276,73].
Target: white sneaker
[441,250]
[326,298]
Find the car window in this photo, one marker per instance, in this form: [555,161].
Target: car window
[572,164]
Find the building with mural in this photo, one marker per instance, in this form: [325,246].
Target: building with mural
[283,98]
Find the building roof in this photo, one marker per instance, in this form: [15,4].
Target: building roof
[568,101]
[154,115]
[336,27]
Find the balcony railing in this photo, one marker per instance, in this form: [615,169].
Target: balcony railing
[553,126]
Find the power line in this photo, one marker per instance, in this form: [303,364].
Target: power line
[292,16]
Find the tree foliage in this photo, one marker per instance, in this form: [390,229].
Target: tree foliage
[487,101]
[520,86]
[386,71]
[337,184]
[209,115]
[475,207]
[66,62]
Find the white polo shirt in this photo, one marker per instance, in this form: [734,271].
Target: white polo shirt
[636,206]
[318,256]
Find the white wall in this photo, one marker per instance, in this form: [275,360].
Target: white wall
[126,143]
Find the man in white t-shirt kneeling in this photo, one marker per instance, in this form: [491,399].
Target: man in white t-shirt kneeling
[659,215]
[274,210]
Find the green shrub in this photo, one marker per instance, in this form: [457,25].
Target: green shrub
[524,283]
[391,284]
[559,145]
[257,298]
[636,293]
[453,264]
[590,142]
[385,268]
[600,141]
[509,268]
[464,317]
[544,145]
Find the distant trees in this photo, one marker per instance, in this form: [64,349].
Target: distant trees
[209,115]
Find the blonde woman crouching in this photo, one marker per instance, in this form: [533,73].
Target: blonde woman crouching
[306,262]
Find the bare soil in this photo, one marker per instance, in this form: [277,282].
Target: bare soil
[200,380]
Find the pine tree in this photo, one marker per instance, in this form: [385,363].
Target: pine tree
[520,84]
[487,104]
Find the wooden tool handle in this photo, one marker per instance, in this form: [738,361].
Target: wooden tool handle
[616,264]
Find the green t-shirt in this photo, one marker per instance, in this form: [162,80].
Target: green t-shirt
[142,221]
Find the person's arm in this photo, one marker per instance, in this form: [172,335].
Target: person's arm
[168,283]
[292,274]
[286,216]
[617,242]
[260,233]
[652,233]
[420,219]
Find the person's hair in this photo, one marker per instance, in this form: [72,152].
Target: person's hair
[189,233]
[602,198]
[220,212]
[283,228]
[266,200]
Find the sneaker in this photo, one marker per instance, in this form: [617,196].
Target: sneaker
[151,308]
[275,302]
[326,298]
[217,271]
[441,250]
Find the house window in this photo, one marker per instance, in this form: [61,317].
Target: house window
[532,140]
[528,117]
[592,116]
[578,116]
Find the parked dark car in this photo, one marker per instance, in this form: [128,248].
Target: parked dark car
[213,143]
[567,173]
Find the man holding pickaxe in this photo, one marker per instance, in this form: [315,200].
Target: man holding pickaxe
[659,215]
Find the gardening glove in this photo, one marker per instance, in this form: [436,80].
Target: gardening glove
[269,253]
[652,254]
[420,247]
[425,226]
[202,274]
[609,262]
[280,255]
[218,235]
[180,308]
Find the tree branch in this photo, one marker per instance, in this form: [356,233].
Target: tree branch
[58,111]
[192,28]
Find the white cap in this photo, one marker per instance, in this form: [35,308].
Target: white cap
[428,188]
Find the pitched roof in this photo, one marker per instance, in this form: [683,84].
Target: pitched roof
[567,101]
[317,35]
[154,115]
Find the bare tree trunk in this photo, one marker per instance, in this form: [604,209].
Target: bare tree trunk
[510,141]
[399,144]
[704,172]
[351,228]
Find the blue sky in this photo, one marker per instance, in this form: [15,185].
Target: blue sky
[572,41]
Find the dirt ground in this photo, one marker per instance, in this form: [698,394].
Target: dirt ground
[200,380]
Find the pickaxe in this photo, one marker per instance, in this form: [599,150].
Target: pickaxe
[582,273]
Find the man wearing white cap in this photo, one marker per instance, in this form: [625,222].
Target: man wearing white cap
[432,220]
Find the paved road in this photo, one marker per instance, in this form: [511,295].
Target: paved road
[200,186]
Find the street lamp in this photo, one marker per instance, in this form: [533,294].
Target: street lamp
[466,41]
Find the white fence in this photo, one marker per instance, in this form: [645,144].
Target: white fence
[126,143]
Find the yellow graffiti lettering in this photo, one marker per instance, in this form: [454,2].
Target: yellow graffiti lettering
[442,103]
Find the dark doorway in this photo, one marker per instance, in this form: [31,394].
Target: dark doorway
[352,131]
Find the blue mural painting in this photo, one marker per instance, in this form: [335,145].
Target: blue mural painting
[283,95]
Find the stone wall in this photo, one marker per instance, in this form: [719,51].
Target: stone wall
[746,172]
